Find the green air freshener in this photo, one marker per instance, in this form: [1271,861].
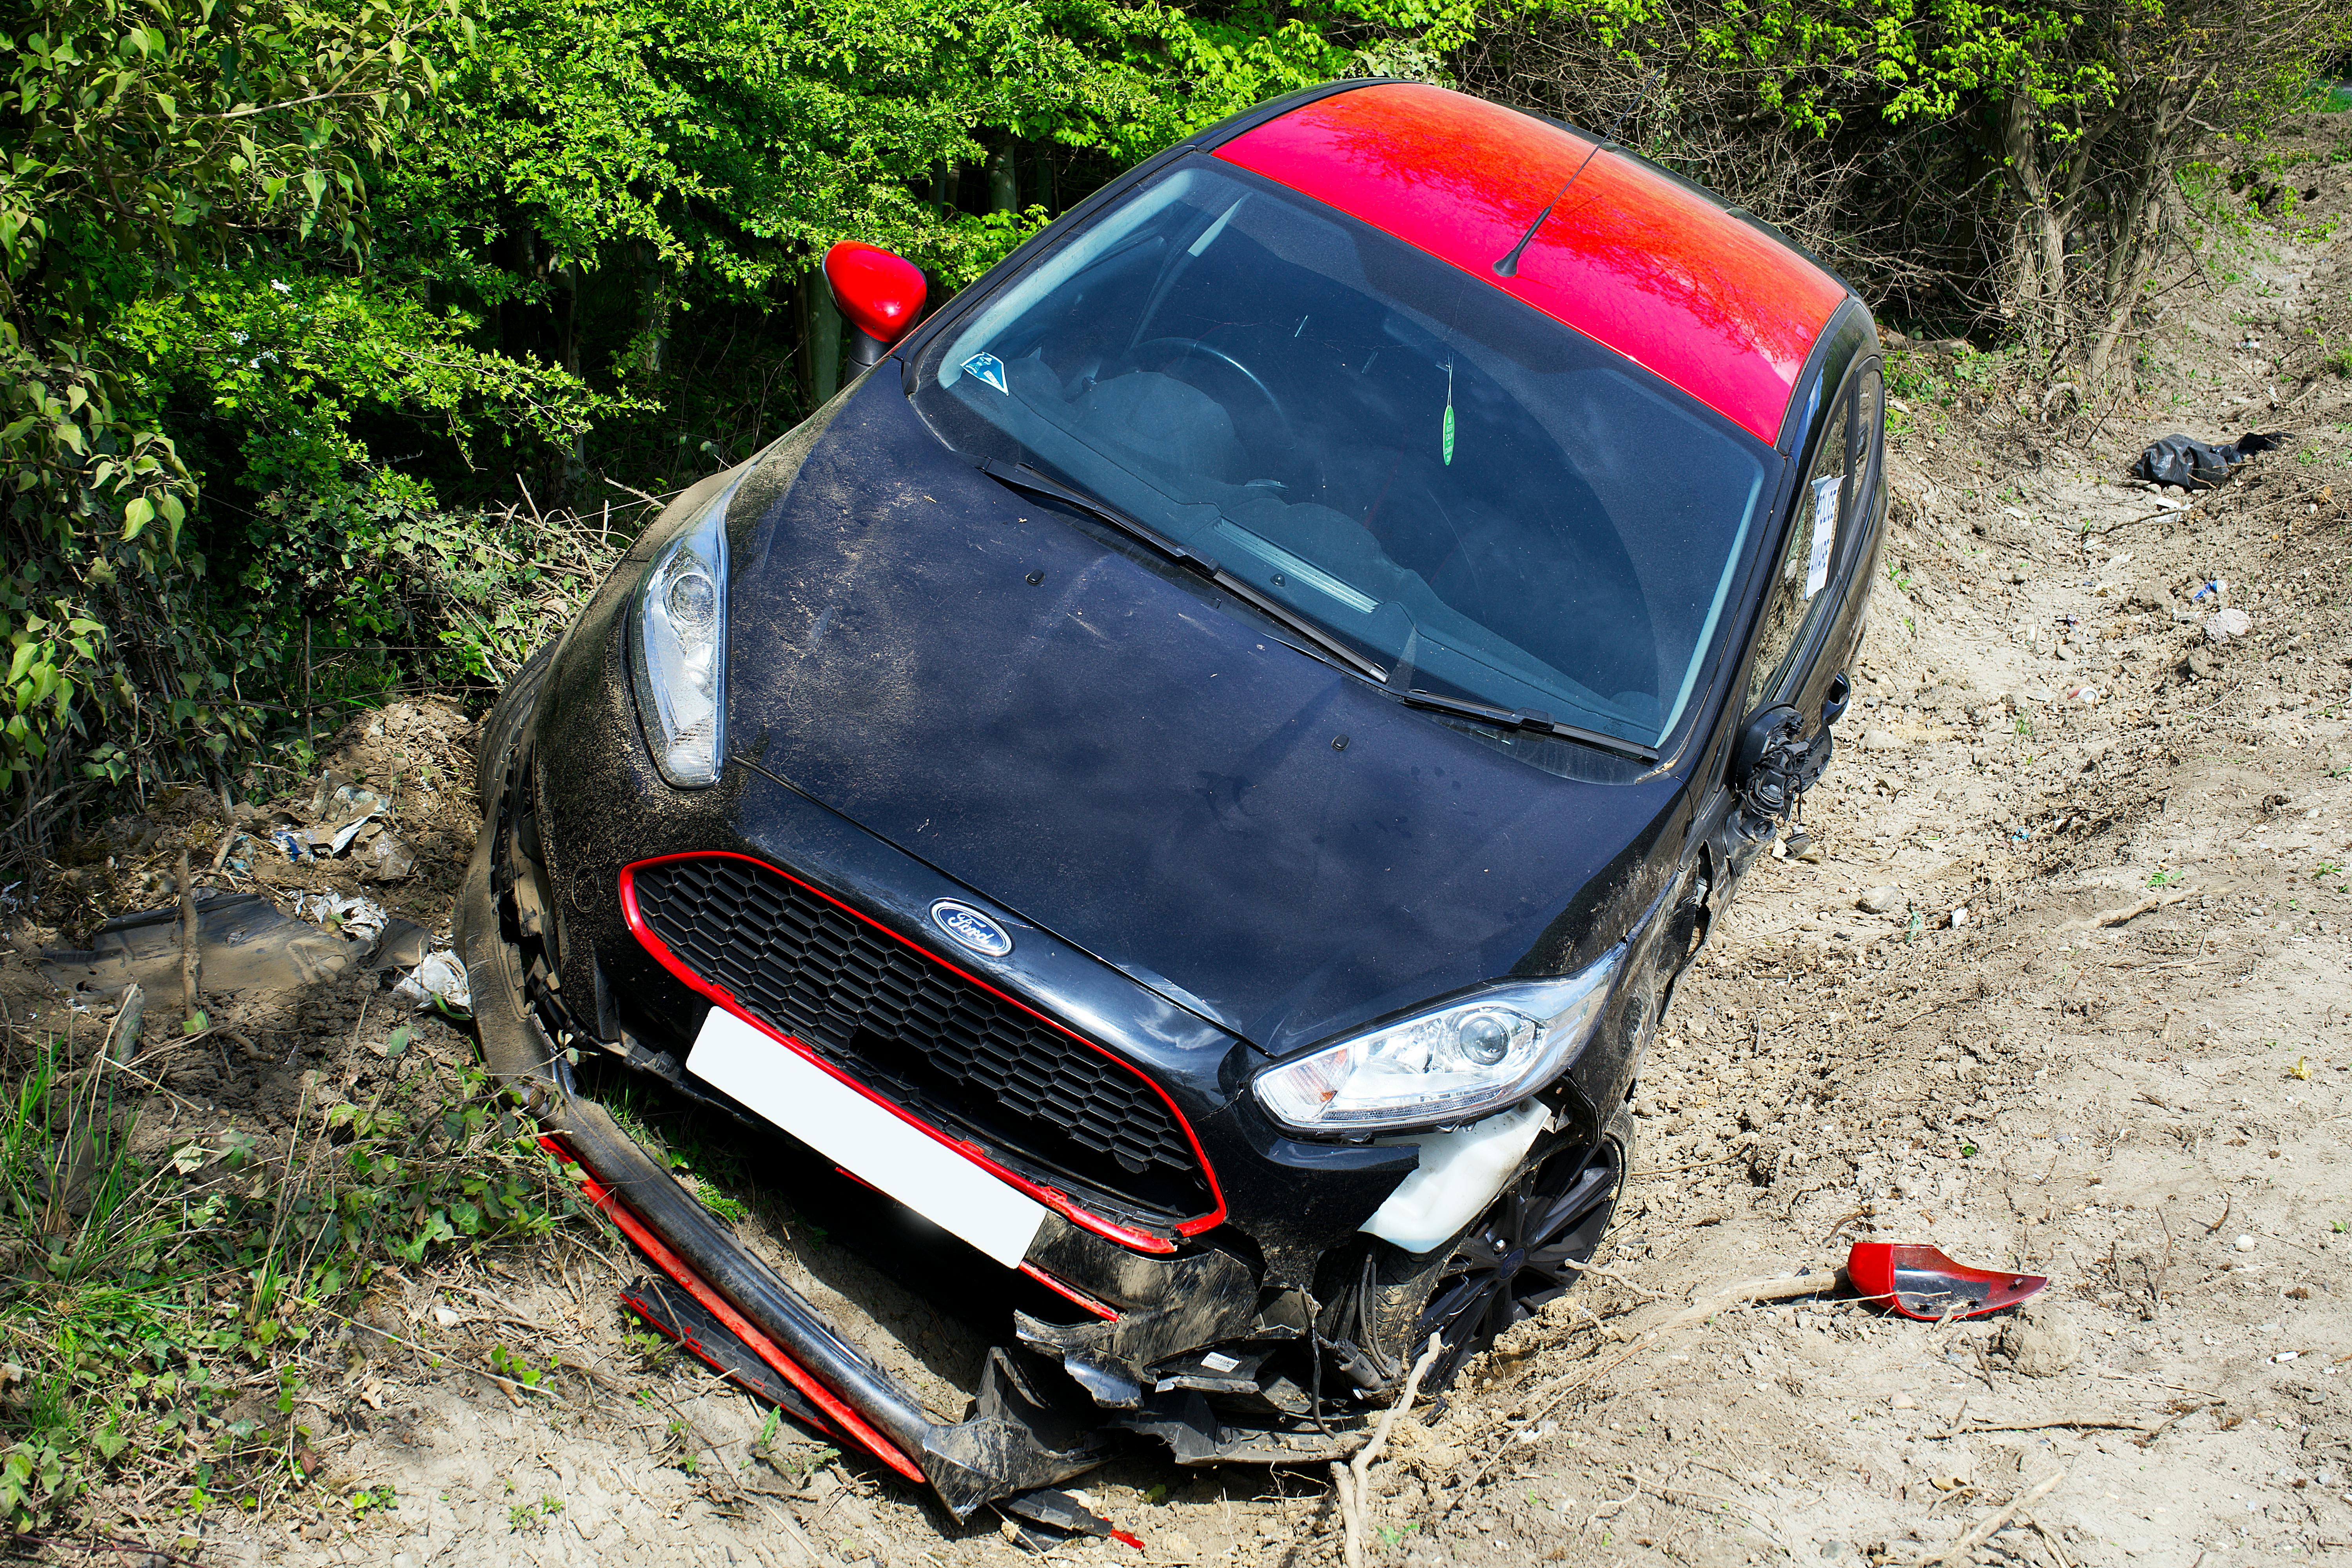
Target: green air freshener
[1448,441]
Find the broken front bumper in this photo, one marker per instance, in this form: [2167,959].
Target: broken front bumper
[1046,1409]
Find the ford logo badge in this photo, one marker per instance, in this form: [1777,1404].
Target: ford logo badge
[967,927]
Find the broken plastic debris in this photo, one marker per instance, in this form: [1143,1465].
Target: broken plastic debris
[2216,586]
[440,978]
[1918,1281]
[1062,1512]
[245,942]
[2084,694]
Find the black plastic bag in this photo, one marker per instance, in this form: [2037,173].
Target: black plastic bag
[2197,465]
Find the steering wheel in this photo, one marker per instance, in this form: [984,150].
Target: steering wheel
[1179,348]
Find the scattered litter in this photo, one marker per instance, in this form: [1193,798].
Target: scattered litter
[361,918]
[1960,917]
[2216,587]
[296,846]
[2084,694]
[2192,464]
[2223,624]
[1918,1281]
[387,859]
[441,979]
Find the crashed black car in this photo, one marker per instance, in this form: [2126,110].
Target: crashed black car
[1197,774]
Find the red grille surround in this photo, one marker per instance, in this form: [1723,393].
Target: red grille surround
[1068,1206]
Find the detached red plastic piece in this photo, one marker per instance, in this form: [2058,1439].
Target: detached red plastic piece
[1918,1281]
[881,293]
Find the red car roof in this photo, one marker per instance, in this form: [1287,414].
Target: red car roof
[1629,258]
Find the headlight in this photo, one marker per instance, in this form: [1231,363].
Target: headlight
[1451,1064]
[678,648]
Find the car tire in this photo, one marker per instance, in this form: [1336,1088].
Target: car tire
[503,726]
[1556,1212]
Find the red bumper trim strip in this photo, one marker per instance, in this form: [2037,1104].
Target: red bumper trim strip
[609,1203]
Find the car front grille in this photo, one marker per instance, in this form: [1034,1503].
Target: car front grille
[1039,1100]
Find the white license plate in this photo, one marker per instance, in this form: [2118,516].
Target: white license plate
[869,1142]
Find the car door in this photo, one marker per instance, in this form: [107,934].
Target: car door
[1818,590]
[1814,622]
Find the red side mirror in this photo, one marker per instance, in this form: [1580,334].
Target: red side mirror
[879,293]
[1918,1281]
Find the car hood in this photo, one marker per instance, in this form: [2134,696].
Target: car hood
[1086,741]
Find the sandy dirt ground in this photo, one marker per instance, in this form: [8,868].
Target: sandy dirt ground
[2064,991]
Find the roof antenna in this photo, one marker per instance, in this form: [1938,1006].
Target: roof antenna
[1508,267]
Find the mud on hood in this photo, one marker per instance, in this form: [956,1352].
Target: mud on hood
[1085,740]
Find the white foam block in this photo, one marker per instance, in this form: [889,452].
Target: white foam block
[870,1142]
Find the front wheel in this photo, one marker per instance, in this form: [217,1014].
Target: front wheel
[1525,1251]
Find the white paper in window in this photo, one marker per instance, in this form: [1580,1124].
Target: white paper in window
[1825,510]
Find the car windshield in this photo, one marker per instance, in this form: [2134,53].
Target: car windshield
[1487,504]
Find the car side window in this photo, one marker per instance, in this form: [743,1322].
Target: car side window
[1808,559]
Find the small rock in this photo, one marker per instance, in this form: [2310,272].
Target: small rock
[1173,1546]
[2223,624]
[2040,1341]
[1960,917]
[1902,1402]
[1880,900]
[1881,741]
[445,1316]
[2245,1244]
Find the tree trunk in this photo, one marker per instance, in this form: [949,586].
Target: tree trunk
[1003,187]
[1041,188]
[653,312]
[2039,241]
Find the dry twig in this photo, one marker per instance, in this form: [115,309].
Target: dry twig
[1353,1484]
[2146,906]
[1959,1550]
[188,963]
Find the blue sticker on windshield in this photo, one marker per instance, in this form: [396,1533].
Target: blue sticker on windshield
[987,368]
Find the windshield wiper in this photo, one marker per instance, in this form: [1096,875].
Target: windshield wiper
[1021,476]
[1532,719]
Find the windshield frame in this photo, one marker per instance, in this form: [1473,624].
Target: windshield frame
[1725,651]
